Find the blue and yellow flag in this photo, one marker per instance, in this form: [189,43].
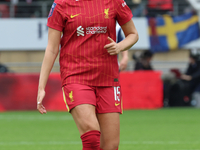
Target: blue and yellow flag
[170,33]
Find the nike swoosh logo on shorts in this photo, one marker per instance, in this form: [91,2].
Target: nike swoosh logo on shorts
[117,104]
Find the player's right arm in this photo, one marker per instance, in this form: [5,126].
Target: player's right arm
[51,53]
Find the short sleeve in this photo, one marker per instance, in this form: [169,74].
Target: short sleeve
[124,13]
[56,19]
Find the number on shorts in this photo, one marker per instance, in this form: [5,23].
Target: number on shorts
[117,93]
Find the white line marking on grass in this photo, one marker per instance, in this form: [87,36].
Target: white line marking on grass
[34,117]
[122,142]
[158,142]
[40,143]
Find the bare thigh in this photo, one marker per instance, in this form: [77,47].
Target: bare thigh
[85,118]
[110,130]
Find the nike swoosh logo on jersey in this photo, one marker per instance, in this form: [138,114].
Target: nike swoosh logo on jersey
[72,16]
[117,104]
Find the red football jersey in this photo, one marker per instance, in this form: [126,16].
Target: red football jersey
[86,25]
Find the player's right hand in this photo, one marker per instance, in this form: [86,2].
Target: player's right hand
[112,47]
[40,97]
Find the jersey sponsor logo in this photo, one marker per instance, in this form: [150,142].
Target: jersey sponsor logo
[96,30]
[72,16]
[52,9]
[71,96]
[80,31]
[91,30]
[106,13]
[123,4]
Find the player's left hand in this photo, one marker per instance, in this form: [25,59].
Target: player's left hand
[40,97]
[112,47]
[123,64]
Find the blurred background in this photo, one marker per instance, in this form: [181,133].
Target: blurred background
[163,67]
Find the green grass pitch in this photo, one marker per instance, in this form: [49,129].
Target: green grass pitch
[162,129]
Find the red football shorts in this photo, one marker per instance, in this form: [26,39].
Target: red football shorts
[105,99]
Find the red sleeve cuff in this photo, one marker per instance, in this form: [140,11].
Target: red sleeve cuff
[122,22]
[56,27]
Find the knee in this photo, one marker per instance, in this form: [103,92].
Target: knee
[88,126]
[110,145]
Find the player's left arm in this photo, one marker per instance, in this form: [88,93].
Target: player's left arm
[131,35]
[124,61]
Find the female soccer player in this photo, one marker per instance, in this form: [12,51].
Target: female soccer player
[88,65]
